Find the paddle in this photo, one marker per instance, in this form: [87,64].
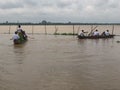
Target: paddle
[31,37]
[92,30]
[11,39]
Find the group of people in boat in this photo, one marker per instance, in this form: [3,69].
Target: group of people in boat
[19,35]
[95,33]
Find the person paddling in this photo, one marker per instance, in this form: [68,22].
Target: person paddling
[19,29]
[107,33]
[15,37]
[82,33]
[96,33]
[20,33]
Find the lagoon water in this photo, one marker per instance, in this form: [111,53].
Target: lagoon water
[50,29]
[56,62]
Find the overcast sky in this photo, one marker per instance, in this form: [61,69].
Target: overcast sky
[83,11]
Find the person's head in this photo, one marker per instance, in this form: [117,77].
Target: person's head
[19,26]
[82,30]
[107,30]
[16,32]
[96,30]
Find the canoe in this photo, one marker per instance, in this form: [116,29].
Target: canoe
[95,37]
[23,38]
[19,42]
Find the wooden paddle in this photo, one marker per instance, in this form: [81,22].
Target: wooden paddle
[92,30]
[31,37]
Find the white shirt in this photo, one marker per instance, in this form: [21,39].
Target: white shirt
[19,30]
[15,37]
[107,33]
[96,33]
[81,33]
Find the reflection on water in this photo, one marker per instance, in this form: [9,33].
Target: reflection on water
[50,62]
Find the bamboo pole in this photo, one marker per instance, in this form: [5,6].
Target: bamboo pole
[56,29]
[9,29]
[92,29]
[73,30]
[113,29]
[78,29]
[32,29]
[95,27]
[45,30]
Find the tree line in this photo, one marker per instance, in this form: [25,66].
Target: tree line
[44,22]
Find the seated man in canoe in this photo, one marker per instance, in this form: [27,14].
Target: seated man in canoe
[82,33]
[96,33]
[15,37]
[105,33]
[21,34]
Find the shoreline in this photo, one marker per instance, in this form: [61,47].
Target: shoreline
[60,23]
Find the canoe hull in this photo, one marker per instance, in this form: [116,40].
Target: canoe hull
[95,37]
[19,42]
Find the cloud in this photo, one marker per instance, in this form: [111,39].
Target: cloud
[60,10]
[9,5]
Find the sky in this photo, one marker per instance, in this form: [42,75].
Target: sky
[80,11]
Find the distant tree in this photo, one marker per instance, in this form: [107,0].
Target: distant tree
[49,22]
[7,22]
[44,22]
[69,22]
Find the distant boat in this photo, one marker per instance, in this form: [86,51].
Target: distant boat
[95,37]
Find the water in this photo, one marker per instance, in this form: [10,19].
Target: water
[48,62]
[51,29]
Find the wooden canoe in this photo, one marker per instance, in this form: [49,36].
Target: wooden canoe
[19,41]
[95,37]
